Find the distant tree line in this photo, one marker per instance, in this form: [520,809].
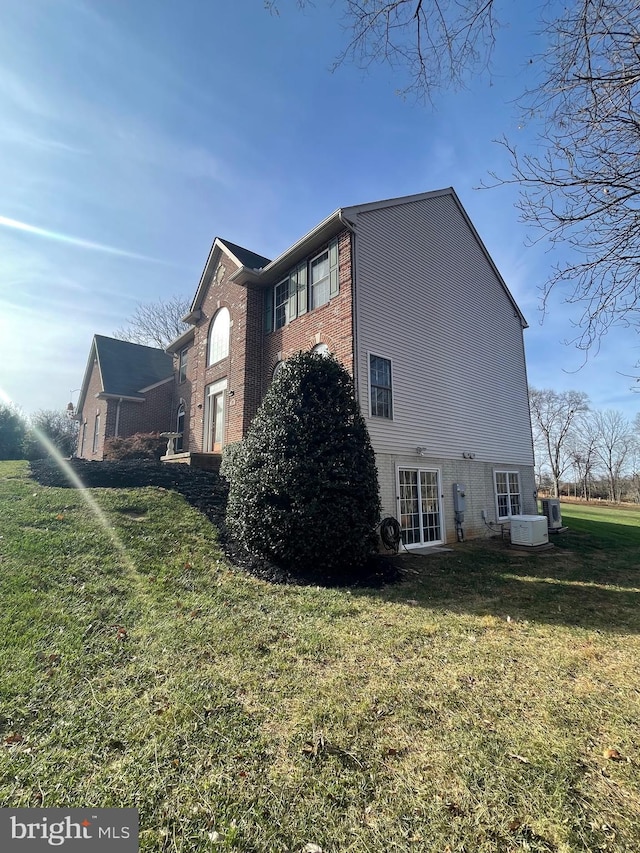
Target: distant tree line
[583,452]
[22,437]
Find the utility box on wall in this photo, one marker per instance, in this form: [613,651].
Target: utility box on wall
[529,530]
[459,498]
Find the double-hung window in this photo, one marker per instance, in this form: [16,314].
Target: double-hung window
[319,276]
[380,393]
[281,304]
[507,493]
[309,285]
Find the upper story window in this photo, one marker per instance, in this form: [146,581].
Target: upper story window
[307,286]
[507,493]
[182,367]
[380,393]
[320,280]
[219,336]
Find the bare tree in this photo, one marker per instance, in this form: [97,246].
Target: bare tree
[580,181]
[553,415]
[582,186]
[156,324]
[615,443]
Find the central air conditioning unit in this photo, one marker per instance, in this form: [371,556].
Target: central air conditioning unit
[529,530]
[551,509]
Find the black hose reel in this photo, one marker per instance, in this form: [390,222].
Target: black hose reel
[390,533]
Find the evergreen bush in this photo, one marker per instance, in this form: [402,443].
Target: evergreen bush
[303,482]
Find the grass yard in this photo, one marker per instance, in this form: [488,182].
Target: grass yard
[489,702]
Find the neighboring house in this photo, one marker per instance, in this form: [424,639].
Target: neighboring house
[127,388]
[405,295]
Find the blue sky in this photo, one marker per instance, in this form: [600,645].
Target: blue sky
[133,133]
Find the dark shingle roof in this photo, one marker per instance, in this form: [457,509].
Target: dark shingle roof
[246,257]
[127,368]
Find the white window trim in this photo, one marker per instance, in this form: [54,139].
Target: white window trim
[506,471]
[210,362]
[430,470]
[209,392]
[390,360]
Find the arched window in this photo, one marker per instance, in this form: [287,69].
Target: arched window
[180,428]
[219,336]
[321,349]
[277,369]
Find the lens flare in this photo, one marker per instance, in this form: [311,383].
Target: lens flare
[85,494]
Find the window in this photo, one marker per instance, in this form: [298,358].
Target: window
[281,304]
[380,384]
[507,493]
[84,436]
[276,370]
[320,280]
[219,336]
[308,285]
[180,428]
[96,433]
[182,369]
[321,349]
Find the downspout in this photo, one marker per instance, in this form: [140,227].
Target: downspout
[354,312]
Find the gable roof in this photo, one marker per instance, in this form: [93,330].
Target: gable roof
[347,217]
[126,369]
[245,256]
[258,270]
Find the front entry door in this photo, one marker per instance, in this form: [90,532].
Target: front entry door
[214,416]
[419,506]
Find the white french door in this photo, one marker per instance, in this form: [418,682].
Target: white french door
[420,506]
[214,412]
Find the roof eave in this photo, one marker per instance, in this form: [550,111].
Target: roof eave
[181,341]
[324,231]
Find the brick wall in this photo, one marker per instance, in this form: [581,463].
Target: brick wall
[331,324]
[252,352]
[90,409]
[240,398]
[154,415]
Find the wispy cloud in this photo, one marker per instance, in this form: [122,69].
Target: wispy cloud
[48,234]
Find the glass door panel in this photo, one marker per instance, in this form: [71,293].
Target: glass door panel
[419,506]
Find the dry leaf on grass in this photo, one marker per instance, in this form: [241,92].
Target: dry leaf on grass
[613,755]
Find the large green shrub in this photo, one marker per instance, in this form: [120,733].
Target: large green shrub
[303,482]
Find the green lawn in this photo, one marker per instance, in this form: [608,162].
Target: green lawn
[468,708]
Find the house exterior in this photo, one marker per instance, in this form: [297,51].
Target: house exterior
[127,388]
[404,293]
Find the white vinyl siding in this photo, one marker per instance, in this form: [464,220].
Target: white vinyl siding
[425,288]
